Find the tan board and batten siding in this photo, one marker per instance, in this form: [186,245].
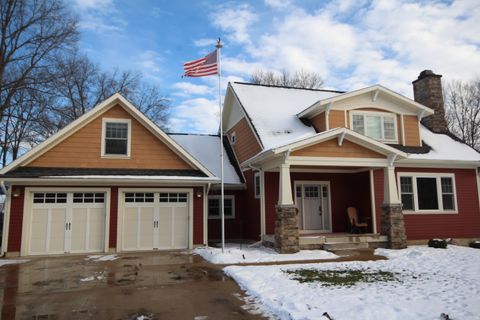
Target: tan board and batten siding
[331,148]
[246,145]
[412,133]
[83,148]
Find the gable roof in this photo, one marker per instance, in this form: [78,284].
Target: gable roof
[321,105]
[206,148]
[89,116]
[273,111]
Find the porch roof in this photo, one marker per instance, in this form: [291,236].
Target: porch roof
[341,134]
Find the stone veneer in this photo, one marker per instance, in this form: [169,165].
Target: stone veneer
[286,229]
[393,226]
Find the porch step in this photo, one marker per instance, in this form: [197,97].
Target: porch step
[339,246]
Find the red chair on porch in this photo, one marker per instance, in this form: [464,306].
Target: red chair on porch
[355,225]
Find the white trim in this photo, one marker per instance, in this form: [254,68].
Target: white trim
[314,182]
[129,138]
[121,211]
[437,176]
[311,170]
[205,218]
[413,104]
[6,220]
[108,180]
[402,125]
[86,118]
[382,116]
[332,161]
[227,196]
[263,228]
[345,118]
[27,212]
[372,201]
[257,184]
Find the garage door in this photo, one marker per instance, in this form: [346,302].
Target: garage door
[155,220]
[67,222]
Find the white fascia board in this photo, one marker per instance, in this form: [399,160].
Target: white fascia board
[91,115]
[336,161]
[316,108]
[60,135]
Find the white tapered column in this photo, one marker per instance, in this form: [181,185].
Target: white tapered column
[285,186]
[390,186]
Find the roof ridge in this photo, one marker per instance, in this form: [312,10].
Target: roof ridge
[287,87]
[192,134]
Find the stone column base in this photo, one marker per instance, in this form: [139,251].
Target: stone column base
[286,229]
[393,226]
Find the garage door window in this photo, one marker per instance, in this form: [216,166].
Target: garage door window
[139,197]
[51,197]
[88,197]
[173,197]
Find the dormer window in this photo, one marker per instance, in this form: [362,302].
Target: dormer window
[116,136]
[377,125]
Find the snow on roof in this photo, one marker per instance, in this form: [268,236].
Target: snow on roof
[273,111]
[206,149]
[444,148]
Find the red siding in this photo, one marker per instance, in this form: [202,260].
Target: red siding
[16,220]
[197,216]
[465,224]
[252,209]
[113,217]
[234,228]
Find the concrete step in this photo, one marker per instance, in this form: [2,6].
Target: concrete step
[338,246]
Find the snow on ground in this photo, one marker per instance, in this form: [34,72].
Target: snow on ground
[429,282]
[96,258]
[4,262]
[97,276]
[233,254]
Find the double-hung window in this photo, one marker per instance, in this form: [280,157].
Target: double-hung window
[214,206]
[116,135]
[377,125]
[424,193]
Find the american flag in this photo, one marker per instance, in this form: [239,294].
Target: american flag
[205,66]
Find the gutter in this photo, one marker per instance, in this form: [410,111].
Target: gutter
[6,217]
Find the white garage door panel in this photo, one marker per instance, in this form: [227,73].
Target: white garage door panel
[67,222]
[38,235]
[155,220]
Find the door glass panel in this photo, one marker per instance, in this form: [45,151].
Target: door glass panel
[427,193]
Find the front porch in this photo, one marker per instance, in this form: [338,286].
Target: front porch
[336,241]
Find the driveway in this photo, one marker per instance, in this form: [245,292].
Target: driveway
[156,285]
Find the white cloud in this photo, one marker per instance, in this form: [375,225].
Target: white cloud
[93,4]
[199,115]
[278,4]
[99,16]
[149,62]
[236,21]
[188,89]
[204,42]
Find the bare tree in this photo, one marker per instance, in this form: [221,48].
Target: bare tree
[462,102]
[31,33]
[300,79]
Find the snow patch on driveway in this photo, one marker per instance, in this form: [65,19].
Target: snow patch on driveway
[4,262]
[429,282]
[234,255]
[96,258]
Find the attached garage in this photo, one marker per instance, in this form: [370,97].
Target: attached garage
[65,221]
[155,219]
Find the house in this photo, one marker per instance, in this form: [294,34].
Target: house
[112,181]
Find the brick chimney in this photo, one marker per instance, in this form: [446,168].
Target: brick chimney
[427,90]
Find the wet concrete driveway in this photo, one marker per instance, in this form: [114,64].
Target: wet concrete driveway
[160,285]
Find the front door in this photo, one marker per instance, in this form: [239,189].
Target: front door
[313,203]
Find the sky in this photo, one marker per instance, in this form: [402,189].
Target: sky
[351,43]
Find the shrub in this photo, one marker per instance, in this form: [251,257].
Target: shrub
[437,243]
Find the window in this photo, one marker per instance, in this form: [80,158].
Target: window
[51,197]
[173,197]
[428,192]
[214,211]
[88,197]
[257,185]
[116,137]
[139,197]
[376,125]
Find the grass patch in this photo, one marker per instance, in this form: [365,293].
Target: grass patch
[341,277]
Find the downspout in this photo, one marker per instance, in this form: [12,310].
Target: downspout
[205,213]
[262,203]
[6,211]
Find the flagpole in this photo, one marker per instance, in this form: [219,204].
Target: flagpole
[222,198]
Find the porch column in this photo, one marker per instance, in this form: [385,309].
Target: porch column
[392,216]
[286,229]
